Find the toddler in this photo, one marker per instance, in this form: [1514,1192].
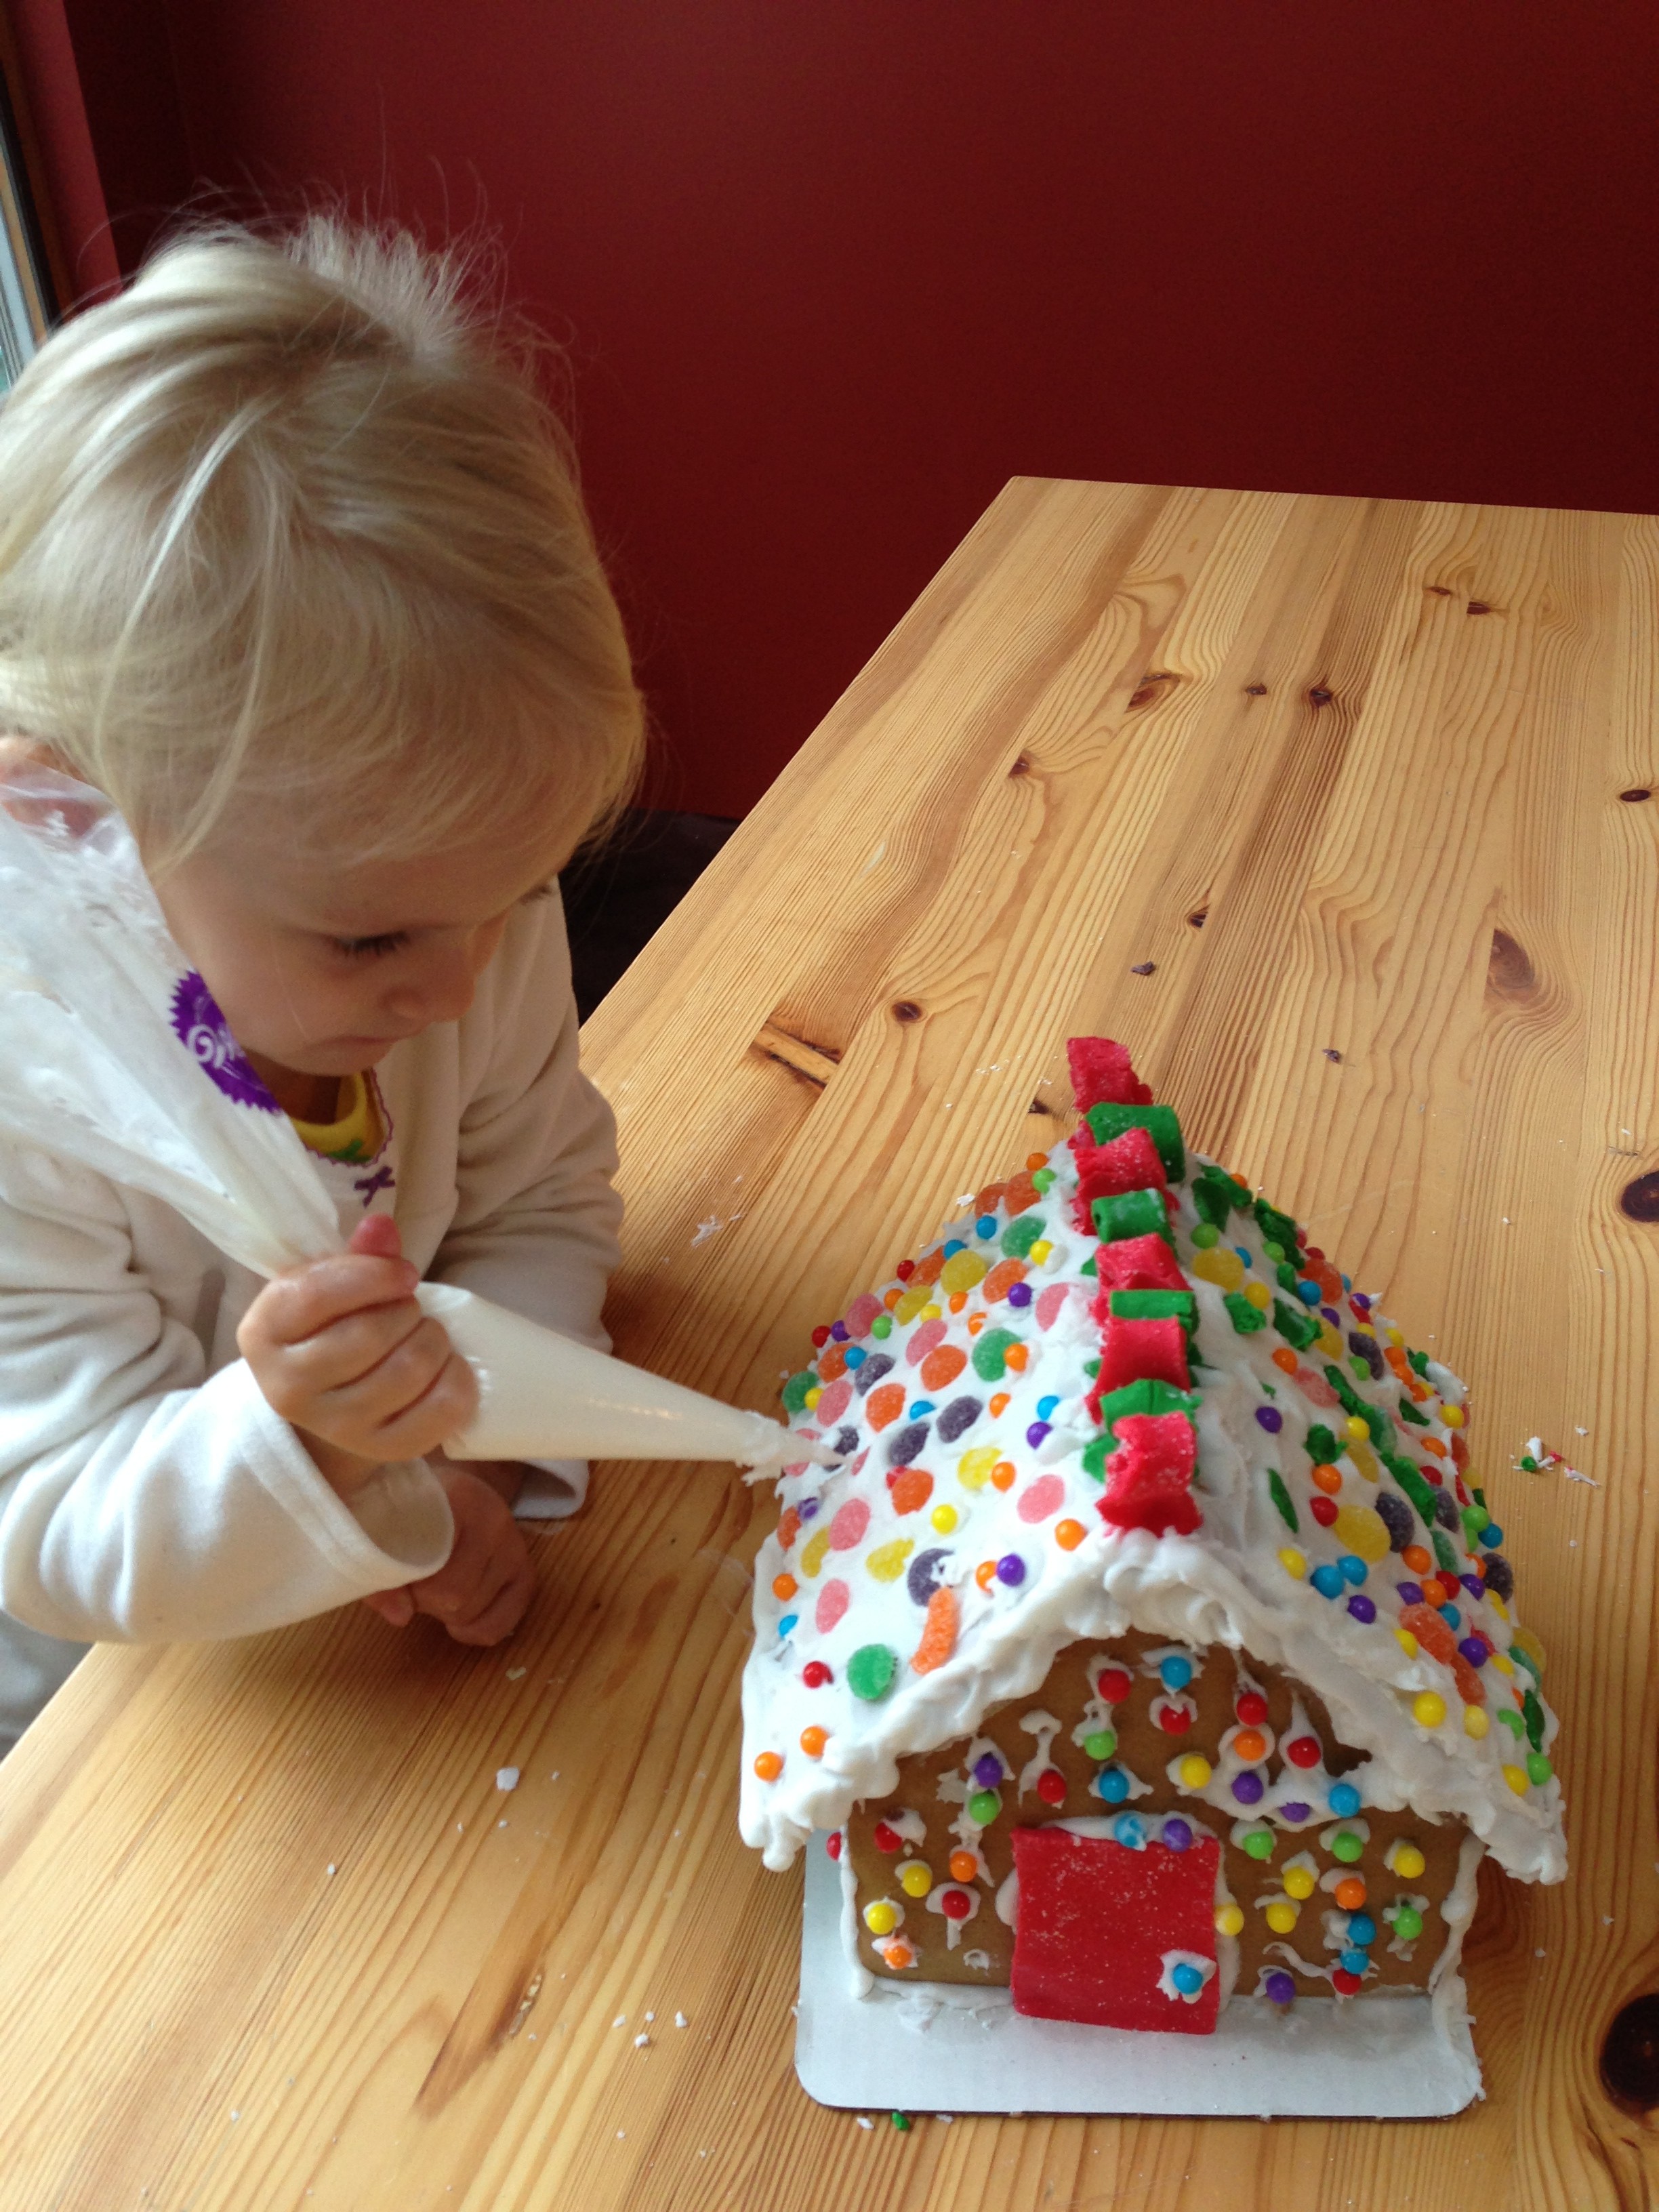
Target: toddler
[294,578]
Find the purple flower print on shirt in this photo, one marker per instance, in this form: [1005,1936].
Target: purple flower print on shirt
[205,1034]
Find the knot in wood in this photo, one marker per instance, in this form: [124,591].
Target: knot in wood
[1630,2055]
[1022,766]
[906,1009]
[1320,695]
[1639,1199]
[1256,690]
[1636,792]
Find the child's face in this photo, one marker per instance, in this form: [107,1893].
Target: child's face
[324,968]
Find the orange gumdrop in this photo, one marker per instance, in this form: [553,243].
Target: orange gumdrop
[927,1269]
[1431,1632]
[1470,1687]
[942,1366]
[1035,1160]
[989,1198]
[939,1635]
[912,1488]
[1002,1278]
[789,1527]
[832,1362]
[884,1404]
[1021,1193]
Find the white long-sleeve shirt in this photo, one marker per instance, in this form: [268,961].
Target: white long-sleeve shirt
[148,1492]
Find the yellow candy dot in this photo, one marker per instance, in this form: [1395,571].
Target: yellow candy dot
[1259,1296]
[1517,1779]
[1229,1919]
[1396,1340]
[1355,1427]
[1194,1772]
[914,1878]
[1041,1250]
[1299,1881]
[1329,1342]
[1502,1661]
[911,1304]
[1409,1861]
[881,1918]
[1282,1918]
[1428,1709]
[814,1551]
[1524,1640]
[973,1468]
[931,1312]
[1452,1416]
[1363,1532]
[1293,1562]
[1497,1605]
[1364,1458]
[1406,1641]
[944,1518]
[1220,1266]
[812,1397]
[886,1562]
[1475,1722]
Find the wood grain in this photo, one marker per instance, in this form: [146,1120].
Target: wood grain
[1346,774]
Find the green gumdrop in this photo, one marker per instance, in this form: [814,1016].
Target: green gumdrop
[1408,1923]
[795,1390]
[870,1671]
[1346,1846]
[983,1806]
[1444,1554]
[991,1350]
[1101,1745]
[1259,1843]
[1022,1232]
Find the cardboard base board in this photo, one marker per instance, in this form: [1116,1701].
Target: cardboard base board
[935,2048]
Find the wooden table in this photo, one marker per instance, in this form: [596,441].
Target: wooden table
[1337,811]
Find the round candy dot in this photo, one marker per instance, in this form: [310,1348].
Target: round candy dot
[1303,1751]
[1406,1641]
[1011,1569]
[1293,1562]
[1189,1980]
[784,1587]
[1284,1360]
[1194,1771]
[856,1356]
[1252,1708]
[986,1225]
[1248,1788]
[1452,1416]
[1112,1685]
[1290,1810]
[1113,1785]
[1362,1929]
[881,1918]
[1409,1593]
[1205,1234]
[886,1838]
[1068,1535]
[1408,1923]
[1474,1650]
[983,1806]
[1019,1294]
[1450,1615]
[1538,1769]
[1327,1478]
[1491,1536]
[1282,1918]
[1324,1511]
[1035,1433]
[1354,1568]
[1344,1801]
[790,1622]
[1346,1846]
[1327,1580]
[1046,1408]
[955,1904]
[1258,1844]
[1417,1559]
[1278,1989]
[882,1326]
[1428,1709]
[769,1766]
[1259,1296]
[815,1675]
[1174,1720]
[1051,1786]
[1361,1607]
[1354,1963]
[944,1518]
[1103,1744]
[1129,1829]
[1356,1428]
[1299,1881]
[813,1741]
[1243,1252]
[964,1866]
[1175,1672]
[987,1771]
[1271,1419]
[914,1878]
[1349,1894]
[832,1844]
[1004,1474]
[1408,1861]
[1517,1779]
[1177,1835]
[1345,1981]
[985,1573]
[1307,1292]
[1249,1745]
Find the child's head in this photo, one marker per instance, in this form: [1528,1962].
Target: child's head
[294,567]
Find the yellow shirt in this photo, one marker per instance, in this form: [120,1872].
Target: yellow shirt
[357,1132]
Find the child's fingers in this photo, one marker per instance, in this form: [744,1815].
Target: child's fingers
[394,1413]
[501,1613]
[354,1347]
[396,1606]
[377,1233]
[295,1306]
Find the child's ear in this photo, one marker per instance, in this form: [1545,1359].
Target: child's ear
[34,752]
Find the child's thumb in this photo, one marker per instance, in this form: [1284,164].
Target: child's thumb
[376,1234]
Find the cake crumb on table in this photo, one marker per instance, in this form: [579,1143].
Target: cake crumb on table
[506,1778]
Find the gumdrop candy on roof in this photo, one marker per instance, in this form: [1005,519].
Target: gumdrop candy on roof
[1101,1074]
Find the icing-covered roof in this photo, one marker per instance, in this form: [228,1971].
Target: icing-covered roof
[1277,1473]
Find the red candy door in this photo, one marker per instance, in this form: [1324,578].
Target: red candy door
[1115,1936]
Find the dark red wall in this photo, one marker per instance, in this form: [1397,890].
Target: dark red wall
[831,270]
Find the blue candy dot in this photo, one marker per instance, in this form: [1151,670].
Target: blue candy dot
[1328,1581]
[1113,1784]
[1352,1567]
[922,1405]
[1177,1836]
[1354,1962]
[1045,1408]
[1451,1616]
[986,1225]
[1310,1293]
[1187,1979]
[1130,1829]
[1345,1800]
[1245,1255]
[1491,1536]
[1174,1671]
[790,1620]
[1347,1284]
[954,1246]
[856,1356]
[1362,1929]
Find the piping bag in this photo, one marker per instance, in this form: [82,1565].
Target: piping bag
[112,1055]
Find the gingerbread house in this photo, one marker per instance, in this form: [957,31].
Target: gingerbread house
[1147,1639]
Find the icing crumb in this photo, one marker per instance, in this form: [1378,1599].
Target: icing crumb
[506,1778]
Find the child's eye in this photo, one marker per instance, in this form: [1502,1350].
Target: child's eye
[370,948]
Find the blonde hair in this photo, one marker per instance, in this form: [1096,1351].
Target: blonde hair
[285,525]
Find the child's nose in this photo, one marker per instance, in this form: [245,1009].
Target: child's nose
[442,992]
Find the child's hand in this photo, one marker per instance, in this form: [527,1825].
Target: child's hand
[481,1591]
[342,1351]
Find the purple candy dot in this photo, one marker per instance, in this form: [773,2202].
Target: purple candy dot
[1278,1989]
[1332,1315]
[1271,1419]
[808,1509]
[1474,1585]
[1473,1650]
[1020,1295]
[1293,1811]
[1247,1788]
[838,1330]
[987,1771]
[1410,1593]
[1360,1300]
[1361,1607]
[1010,1569]
[1177,1836]
[1035,1433]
